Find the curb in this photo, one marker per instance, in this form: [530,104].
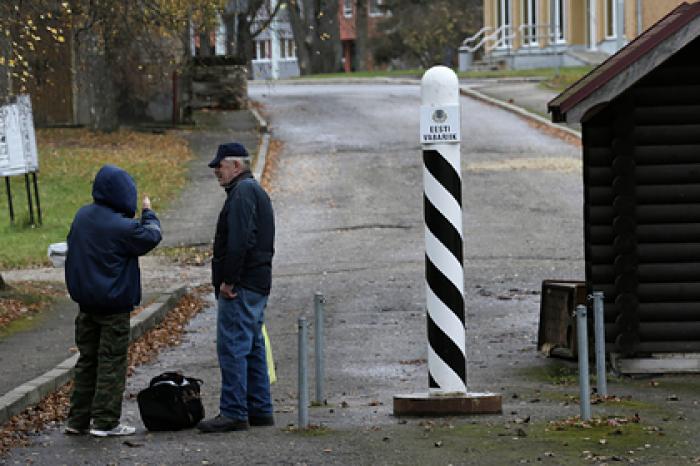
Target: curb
[263,146]
[31,393]
[562,132]
[262,124]
[261,160]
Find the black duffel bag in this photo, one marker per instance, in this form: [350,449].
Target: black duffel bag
[171,402]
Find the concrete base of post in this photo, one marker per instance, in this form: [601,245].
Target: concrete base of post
[457,404]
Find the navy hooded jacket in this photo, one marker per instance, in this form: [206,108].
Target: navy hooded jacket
[104,243]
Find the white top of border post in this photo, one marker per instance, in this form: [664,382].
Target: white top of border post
[440,112]
[439,86]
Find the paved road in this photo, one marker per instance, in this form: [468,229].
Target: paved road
[348,198]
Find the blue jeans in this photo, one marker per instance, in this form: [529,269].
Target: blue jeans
[245,385]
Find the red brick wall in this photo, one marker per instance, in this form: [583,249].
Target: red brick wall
[347,25]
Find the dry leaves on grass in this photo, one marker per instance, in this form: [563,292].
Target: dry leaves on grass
[188,255]
[576,422]
[158,162]
[25,299]
[54,408]
[271,163]
[167,333]
[597,399]
[556,132]
[15,433]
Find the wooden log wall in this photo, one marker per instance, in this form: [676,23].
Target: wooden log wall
[642,210]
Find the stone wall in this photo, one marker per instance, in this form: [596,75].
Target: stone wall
[218,84]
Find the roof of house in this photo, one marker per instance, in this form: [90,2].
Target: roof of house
[629,64]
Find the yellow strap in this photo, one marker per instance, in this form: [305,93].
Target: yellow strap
[270,360]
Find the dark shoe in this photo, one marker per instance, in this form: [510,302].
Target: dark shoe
[222,424]
[261,421]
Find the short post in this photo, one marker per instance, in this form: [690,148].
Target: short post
[318,335]
[9,199]
[36,195]
[599,317]
[303,376]
[582,348]
[29,199]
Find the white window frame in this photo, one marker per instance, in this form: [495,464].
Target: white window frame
[288,51]
[559,29]
[220,40]
[529,30]
[610,19]
[503,18]
[347,8]
[283,48]
[375,8]
[263,52]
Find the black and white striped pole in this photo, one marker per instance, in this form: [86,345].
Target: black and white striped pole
[442,208]
[440,135]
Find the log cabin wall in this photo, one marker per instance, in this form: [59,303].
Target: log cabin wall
[641,161]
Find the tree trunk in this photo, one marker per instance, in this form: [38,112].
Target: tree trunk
[361,35]
[246,44]
[103,105]
[332,49]
[317,35]
[300,34]
[98,76]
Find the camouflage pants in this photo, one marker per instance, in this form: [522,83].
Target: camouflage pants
[100,373]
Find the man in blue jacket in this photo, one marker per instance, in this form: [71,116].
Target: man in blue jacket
[241,275]
[103,277]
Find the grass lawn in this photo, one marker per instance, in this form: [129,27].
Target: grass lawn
[552,79]
[68,162]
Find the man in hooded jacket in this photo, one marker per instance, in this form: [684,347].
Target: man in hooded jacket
[103,277]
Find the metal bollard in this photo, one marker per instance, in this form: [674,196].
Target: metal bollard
[598,315]
[318,355]
[582,347]
[303,376]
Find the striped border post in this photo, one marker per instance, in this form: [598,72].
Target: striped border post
[444,272]
[442,205]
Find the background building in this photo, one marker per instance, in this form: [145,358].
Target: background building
[354,29]
[543,33]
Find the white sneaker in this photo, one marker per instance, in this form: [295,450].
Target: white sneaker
[120,430]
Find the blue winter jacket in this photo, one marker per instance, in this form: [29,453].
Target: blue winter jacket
[104,243]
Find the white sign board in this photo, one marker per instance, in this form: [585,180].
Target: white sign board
[18,153]
[439,125]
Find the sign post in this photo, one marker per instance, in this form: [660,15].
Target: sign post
[440,135]
[18,151]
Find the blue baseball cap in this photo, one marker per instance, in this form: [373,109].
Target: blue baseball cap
[232,149]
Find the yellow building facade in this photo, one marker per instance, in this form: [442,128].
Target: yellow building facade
[534,28]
